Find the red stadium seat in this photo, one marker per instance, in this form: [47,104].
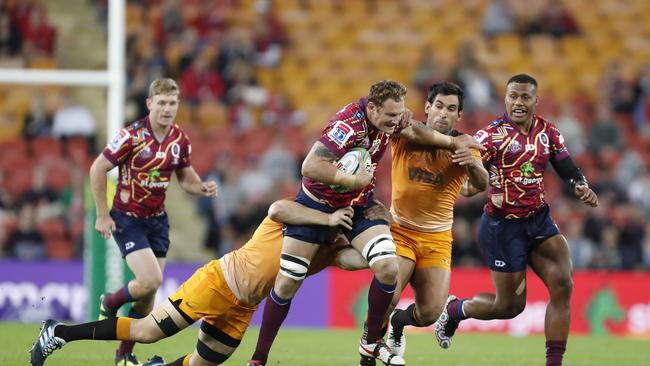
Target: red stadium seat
[61,249]
[52,229]
[45,146]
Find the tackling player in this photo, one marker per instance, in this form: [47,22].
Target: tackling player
[147,153]
[425,184]
[367,123]
[225,293]
[516,227]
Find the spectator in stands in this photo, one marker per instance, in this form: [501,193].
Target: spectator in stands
[427,72]
[582,248]
[555,19]
[646,247]
[278,163]
[269,35]
[25,242]
[466,252]
[38,121]
[279,111]
[631,235]
[201,83]
[74,119]
[499,18]
[605,133]
[480,93]
[41,197]
[572,130]
[638,191]
[39,35]
[608,255]
[615,90]
[642,100]
[10,38]
[628,168]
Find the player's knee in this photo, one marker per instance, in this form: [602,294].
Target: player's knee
[385,270]
[142,332]
[380,254]
[510,309]
[151,284]
[429,314]
[294,267]
[562,287]
[286,287]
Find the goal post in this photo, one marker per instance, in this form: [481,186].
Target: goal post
[104,268]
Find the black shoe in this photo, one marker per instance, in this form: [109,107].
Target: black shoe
[46,343]
[155,361]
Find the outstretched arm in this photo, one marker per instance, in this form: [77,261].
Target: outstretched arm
[476,173]
[293,213]
[419,133]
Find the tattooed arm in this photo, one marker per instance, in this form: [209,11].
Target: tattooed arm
[318,166]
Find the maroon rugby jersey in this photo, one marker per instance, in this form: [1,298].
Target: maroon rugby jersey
[145,166]
[516,163]
[349,128]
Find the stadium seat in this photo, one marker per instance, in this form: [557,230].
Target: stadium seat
[59,249]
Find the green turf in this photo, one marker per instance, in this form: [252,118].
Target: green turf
[327,348]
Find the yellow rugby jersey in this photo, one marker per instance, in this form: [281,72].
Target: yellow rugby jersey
[250,270]
[425,185]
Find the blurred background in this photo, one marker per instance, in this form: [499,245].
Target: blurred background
[260,78]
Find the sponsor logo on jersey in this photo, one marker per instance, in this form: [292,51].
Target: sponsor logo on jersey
[340,133]
[118,140]
[358,115]
[153,180]
[160,155]
[480,136]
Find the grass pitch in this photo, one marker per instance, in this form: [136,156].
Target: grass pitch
[327,348]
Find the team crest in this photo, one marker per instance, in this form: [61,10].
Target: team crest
[145,152]
[340,133]
[514,147]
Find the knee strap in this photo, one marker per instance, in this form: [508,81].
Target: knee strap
[293,266]
[379,247]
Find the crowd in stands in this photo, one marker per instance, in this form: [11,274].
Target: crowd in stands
[26,32]
[250,135]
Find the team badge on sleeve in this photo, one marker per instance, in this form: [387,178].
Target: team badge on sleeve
[340,133]
[118,140]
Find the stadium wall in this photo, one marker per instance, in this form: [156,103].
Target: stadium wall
[615,303]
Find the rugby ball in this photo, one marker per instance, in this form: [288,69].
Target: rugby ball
[350,163]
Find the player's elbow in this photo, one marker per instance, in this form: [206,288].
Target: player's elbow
[308,168]
[277,211]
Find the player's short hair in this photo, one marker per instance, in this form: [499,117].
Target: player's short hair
[164,86]
[386,89]
[522,79]
[446,88]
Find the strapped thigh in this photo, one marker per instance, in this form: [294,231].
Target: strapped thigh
[379,247]
[293,266]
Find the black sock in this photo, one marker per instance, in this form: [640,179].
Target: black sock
[405,317]
[104,329]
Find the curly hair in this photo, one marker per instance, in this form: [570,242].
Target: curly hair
[384,90]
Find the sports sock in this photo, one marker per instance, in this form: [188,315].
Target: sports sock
[183,361]
[107,329]
[275,311]
[127,346]
[118,298]
[555,352]
[405,317]
[379,298]
[455,309]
